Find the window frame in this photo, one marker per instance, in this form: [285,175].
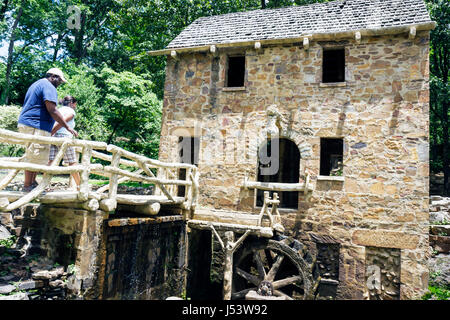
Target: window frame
[255,196]
[330,154]
[227,68]
[333,83]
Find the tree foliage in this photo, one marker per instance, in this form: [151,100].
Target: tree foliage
[131,111]
[120,87]
[440,89]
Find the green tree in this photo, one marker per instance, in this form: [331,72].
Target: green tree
[439,89]
[8,120]
[30,26]
[81,85]
[131,111]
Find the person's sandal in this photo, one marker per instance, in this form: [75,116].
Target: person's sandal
[30,187]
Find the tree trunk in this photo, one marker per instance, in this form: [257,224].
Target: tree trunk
[79,40]
[446,149]
[4,99]
[57,46]
[263,4]
[116,126]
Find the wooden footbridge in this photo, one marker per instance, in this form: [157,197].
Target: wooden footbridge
[265,246]
[110,161]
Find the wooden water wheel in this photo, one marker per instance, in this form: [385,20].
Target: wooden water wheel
[280,267]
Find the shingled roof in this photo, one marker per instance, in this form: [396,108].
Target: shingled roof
[297,21]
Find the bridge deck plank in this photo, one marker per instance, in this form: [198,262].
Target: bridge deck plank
[72,196]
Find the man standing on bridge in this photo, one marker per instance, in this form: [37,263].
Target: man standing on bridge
[38,116]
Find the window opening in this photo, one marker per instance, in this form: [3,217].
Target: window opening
[188,151]
[333,66]
[288,172]
[236,71]
[331,156]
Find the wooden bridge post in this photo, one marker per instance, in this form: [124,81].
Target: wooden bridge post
[110,203]
[83,195]
[113,181]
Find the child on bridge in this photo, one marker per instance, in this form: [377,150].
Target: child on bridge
[68,112]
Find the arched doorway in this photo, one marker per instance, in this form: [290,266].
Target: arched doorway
[288,170]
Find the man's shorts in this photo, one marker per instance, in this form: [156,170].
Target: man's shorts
[69,155]
[35,153]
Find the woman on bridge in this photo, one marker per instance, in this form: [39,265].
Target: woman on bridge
[68,111]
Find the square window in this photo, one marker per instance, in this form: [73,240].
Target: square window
[331,156]
[236,71]
[333,66]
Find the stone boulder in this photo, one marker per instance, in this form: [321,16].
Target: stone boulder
[4,233]
[440,216]
[17,296]
[440,271]
[440,230]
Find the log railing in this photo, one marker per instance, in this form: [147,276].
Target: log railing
[305,186]
[121,166]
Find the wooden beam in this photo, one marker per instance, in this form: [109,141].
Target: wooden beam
[4,202]
[134,199]
[90,205]
[358,37]
[306,43]
[412,33]
[49,197]
[148,209]
[24,138]
[108,205]
[137,177]
[84,176]
[275,186]
[40,168]
[239,228]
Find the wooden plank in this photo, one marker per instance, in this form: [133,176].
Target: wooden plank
[274,186]
[137,177]
[133,199]
[24,138]
[240,228]
[33,194]
[49,197]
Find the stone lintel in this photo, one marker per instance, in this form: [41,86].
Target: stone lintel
[324,238]
[385,239]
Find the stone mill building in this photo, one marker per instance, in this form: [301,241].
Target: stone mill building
[335,98]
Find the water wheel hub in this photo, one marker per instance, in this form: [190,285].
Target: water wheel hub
[265,288]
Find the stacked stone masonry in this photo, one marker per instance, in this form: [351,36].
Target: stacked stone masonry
[380,112]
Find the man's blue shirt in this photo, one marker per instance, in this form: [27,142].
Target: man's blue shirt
[34,113]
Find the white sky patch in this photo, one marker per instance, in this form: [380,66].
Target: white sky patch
[3,49]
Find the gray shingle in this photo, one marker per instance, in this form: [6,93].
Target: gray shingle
[291,22]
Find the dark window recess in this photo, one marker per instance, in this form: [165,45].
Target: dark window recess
[328,265]
[333,67]
[331,156]
[288,172]
[188,151]
[236,71]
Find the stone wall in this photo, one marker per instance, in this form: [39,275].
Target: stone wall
[64,253]
[26,270]
[383,273]
[381,112]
